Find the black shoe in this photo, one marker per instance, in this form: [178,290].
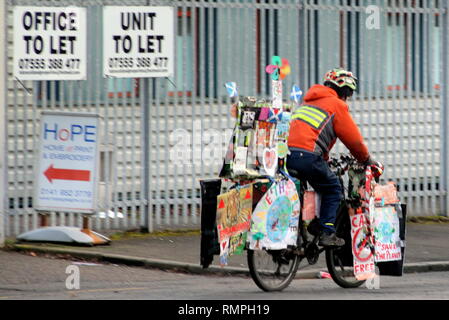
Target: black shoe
[330,240]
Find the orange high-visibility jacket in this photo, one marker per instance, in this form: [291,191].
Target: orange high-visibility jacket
[322,119]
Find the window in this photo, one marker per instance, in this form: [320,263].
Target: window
[181,84]
[413,45]
[396,52]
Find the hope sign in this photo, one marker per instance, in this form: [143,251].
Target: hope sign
[85,132]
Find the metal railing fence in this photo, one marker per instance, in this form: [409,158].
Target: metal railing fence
[161,135]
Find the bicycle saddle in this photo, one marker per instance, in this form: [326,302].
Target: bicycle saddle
[293,173]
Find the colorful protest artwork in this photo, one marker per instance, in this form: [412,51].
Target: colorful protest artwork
[282,150]
[274,222]
[256,150]
[269,160]
[233,220]
[386,232]
[386,194]
[276,86]
[254,144]
[258,146]
[364,265]
[283,128]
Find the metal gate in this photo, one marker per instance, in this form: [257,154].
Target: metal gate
[161,135]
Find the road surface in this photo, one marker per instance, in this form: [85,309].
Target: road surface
[39,277]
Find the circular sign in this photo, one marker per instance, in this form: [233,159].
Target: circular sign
[360,247]
[278,219]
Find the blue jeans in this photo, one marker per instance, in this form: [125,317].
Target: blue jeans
[313,169]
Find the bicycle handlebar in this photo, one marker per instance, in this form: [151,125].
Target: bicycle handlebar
[346,162]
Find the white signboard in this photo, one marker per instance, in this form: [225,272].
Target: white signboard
[49,43]
[138,41]
[67,162]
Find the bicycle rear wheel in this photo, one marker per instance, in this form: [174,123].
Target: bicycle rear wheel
[339,260]
[272,270]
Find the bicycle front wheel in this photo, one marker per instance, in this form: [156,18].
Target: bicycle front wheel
[272,270]
[339,260]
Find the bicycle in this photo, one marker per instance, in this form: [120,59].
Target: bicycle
[274,270]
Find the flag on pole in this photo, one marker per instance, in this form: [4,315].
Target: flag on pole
[296,94]
[231,87]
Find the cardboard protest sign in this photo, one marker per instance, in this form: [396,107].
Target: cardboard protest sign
[274,222]
[364,266]
[386,231]
[233,220]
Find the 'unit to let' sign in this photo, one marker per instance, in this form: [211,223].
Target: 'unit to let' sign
[67,168]
[138,41]
[49,43]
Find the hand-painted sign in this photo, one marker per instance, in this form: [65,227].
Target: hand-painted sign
[364,267]
[49,43]
[274,222]
[233,220]
[386,231]
[67,162]
[138,41]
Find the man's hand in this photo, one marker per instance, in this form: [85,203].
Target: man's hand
[379,167]
[370,162]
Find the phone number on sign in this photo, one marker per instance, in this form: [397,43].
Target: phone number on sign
[144,62]
[50,63]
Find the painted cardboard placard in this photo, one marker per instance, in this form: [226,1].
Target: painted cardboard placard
[282,150]
[386,194]
[50,43]
[364,265]
[248,118]
[386,231]
[276,86]
[274,222]
[233,220]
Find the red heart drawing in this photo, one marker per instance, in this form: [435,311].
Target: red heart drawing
[270,158]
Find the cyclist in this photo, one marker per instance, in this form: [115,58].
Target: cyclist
[315,126]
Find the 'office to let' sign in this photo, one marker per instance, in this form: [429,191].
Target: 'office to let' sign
[52,21]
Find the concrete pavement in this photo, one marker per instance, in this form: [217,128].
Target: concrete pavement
[427,249]
[27,277]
